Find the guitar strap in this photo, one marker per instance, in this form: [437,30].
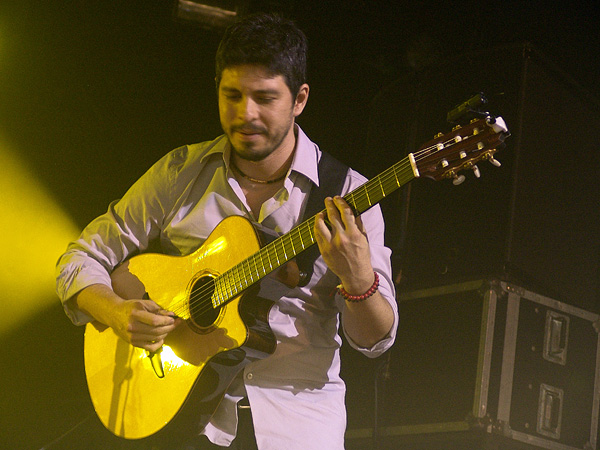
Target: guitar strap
[332,174]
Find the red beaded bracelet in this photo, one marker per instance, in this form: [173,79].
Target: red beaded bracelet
[360,298]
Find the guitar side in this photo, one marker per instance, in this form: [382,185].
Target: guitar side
[130,395]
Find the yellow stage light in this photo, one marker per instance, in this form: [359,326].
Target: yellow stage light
[33,233]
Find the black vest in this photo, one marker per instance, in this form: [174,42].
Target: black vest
[332,174]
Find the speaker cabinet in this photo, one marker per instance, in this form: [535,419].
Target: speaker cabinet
[535,220]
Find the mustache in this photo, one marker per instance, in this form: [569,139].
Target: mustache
[248,128]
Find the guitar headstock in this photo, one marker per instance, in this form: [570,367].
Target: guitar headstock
[447,155]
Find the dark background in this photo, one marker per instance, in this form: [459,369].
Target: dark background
[94,92]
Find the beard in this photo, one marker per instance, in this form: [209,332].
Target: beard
[269,141]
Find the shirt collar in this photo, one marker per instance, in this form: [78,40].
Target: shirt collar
[306,155]
[219,146]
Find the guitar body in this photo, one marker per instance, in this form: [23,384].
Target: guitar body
[136,394]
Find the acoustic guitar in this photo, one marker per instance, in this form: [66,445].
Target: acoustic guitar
[136,393]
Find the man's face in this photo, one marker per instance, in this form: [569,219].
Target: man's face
[257,111]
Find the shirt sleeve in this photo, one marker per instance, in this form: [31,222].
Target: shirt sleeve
[381,261]
[128,227]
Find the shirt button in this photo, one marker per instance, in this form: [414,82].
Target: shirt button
[249,375]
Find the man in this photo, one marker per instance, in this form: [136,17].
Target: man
[264,168]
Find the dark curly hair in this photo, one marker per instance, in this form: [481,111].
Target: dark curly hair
[268,40]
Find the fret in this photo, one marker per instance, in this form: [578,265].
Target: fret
[214,298]
[370,193]
[380,186]
[284,249]
[254,269]
[310,232]
[234,278]
[281,250]
[301,240]
[367,194]
[246,270]
[351,200]
[303,235]
[265,261]
[257,267]
[394,169]
[396,180]
[291,240]
[290,247]
[261,268]
[222,288]
[221,292]
[259,263]
[267,248]
[277,256]
[219,282]
[225,287]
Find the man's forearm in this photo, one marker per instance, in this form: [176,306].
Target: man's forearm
[368,321]
[100,302]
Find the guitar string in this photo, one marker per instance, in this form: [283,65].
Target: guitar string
[254,265]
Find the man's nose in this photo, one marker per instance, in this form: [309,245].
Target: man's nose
[247,110]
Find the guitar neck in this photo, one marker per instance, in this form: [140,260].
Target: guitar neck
[272,256]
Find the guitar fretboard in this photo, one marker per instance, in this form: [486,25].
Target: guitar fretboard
[272,256]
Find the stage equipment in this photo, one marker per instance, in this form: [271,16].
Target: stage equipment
[487,364]
[210,14]
[534,223]
[536,219]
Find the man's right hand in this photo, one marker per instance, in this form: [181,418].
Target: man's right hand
[142,323]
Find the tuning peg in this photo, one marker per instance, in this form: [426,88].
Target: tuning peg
[493,161]
[476,171]
[490,157]
[458,179]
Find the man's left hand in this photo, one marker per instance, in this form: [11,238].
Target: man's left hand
[344,245]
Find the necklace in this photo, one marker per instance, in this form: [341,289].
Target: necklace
[255,180]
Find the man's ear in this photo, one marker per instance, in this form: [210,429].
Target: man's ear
[301,99]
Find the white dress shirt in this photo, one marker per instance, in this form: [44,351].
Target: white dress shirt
[296,394]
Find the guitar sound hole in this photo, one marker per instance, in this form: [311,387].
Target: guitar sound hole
[202,312]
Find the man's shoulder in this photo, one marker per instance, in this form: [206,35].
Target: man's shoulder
[193,153]
[190,157]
